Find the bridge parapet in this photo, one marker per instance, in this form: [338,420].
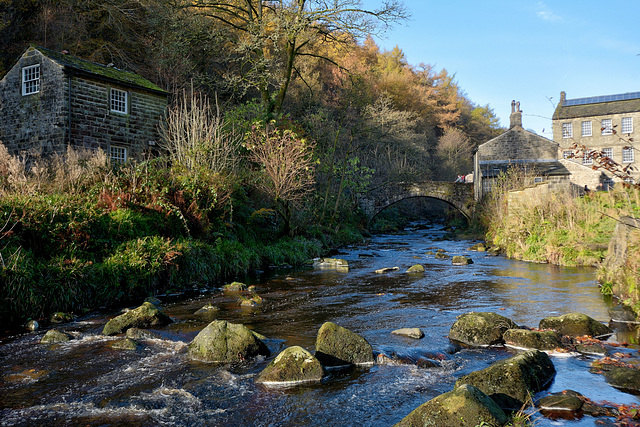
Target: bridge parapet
[458,195]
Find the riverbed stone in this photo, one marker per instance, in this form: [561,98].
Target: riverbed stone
[141,334]
[225,342]
[622,314]
[338,346]
[418,268]
[442,255]
[207,311]
[480,329]
[250,301]
[575,325]
[509,382]
[625,378]
[331,264]
[409,332]
[60,317]
[386,270]
[465,406]
[234,287]
[54,336]
[479,247]
[461,260]
[32,325]
[125,344]
[294,365]
[528,339]
[567,400]
[145,316]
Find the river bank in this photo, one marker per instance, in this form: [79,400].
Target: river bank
[86,381]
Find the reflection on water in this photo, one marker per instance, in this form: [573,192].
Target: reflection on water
[86,382]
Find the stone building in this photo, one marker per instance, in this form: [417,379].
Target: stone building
[49,100]
[603,124]
[519,148]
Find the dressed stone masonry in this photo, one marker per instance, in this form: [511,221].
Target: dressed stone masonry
[49,100]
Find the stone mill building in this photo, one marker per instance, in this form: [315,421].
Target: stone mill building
[517,147]
[49,100]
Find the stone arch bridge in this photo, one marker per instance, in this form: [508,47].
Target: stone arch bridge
[458,195]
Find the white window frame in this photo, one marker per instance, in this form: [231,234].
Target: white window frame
[567,130]
[119,101]
[627,125]
[567,154]
[30,79]
[608,152]
[118,154]
[607,127]
[587,129]
[627,155]
[587,159]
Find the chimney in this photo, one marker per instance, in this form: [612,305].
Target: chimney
[516,115]
[563,97]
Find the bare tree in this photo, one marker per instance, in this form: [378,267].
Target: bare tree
[455,151]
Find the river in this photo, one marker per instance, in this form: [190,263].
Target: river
[85,382]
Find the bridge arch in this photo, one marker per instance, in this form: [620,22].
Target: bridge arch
[458,195]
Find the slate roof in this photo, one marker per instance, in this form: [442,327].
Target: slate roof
[519,143]
[100,71]
[545,168]
[598,106]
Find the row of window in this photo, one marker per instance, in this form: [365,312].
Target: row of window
[606,127]
[118,99]
[587,158]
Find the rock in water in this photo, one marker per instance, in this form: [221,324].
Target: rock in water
[480,329]
[234,287]
[337,346]
[125,344]
[465,406]
[409,332]
[575,325]
[226,342]
[461,260]
[293,365]
[54,336]
[418,268]
[509,382]
[145,316]
[539,340]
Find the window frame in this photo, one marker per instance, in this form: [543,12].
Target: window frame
[628,155]
[608,150]
[587,158]
[118,153]
[567,154]
[629,128]
[118,101]
[30,79]
[567,130]
[607,130]
[583,128]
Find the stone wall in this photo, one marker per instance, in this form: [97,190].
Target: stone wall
[36,121]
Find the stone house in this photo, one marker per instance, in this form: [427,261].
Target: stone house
[517,147]
[49,100]
[602,124]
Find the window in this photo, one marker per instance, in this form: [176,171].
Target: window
[567,130]
[587,159]
[568,154]
[607,127]
[607,184]
[608,152]
[118,101]
[31,79]
[627,124]
[537,180]
[586,128]
[118,154]
[627,155]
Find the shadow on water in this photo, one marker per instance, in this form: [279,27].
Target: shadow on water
[86,382]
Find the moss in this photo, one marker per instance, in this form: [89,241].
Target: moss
[336,346]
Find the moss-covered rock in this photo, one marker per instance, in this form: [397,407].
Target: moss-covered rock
[509,382]
[125,344]
[293,365]
[567,400]
[461,260]
[234,287]
[331,264]
[250,301]
[225,342]
[141,334]
[464,406]
[575,325]
[624,377]
[480,329]
[207,312]
[480,247]
[526,339]
[409,332]
[442,255]
[60,317]
[418,268]
[145,316]
[338,346]
[54,336]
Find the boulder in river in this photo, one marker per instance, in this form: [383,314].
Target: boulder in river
[208,311]
[575,325]
[622,314]
[567,400]
[418,268]
[480,329]
[145,316]
[125,344]
[234,287]
[479,247]
[141,334]
[331,264]
[461,260]
[226,342]
[409,332]
[60,317]
[338,346]
[465,406]
[294,365]
[539,340]
[509,382]
[386,270]
[54,336]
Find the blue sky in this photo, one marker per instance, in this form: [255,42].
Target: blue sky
[525,50]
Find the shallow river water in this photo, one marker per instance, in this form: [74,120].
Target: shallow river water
[86,382]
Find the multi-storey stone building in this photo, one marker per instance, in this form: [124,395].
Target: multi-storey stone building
[49,100]
[602,124]
[517,148]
